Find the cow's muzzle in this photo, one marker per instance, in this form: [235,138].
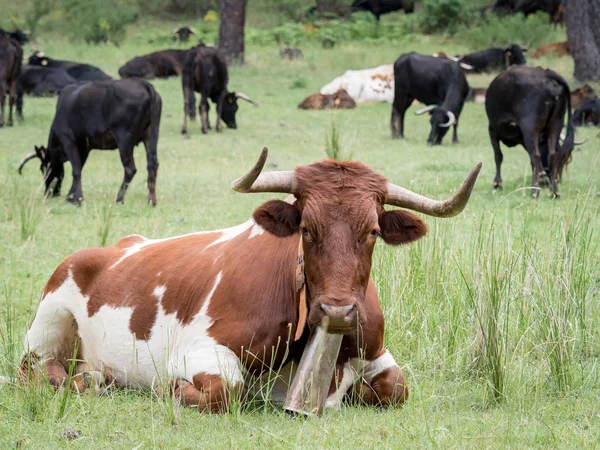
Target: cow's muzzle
[342,318]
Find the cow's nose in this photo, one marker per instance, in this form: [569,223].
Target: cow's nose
[341,318]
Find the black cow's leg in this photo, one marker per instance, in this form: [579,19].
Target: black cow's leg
[532,146]
[126,153]
[553,135]
[497,157]
[152,164]
[208,115]
[2,102]
[220,103]
[455,134]
[11,104]
[77,158]
[401,103]
[203,109]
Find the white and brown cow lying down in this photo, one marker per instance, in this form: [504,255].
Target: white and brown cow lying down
[199,312]
[366,85]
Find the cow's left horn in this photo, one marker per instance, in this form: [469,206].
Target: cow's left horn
[29,157]
[424,110]
[193,30]
[562,138]
[451,120]
[255,181]
[404,198]
[243,96]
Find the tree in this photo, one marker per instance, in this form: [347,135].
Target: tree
[231,30]
[583,35]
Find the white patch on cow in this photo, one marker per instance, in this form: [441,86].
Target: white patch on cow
[375,84]
[480,99]
[348,379]
[172,350]
[369,369]
[226,235]
[257,230]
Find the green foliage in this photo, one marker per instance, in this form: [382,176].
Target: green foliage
[299,83]
[289,34]
[437,16]
[98,21]
[495,31]
[36,11]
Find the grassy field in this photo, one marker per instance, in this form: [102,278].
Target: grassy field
[523,273]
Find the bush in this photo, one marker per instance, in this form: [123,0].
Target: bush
[98,21]
[443,15]
[495,31]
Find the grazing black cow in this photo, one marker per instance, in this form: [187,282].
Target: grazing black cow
[437,82]
[81,72]
[183,34]
[18,35]
[379,7]
[162,64]
[101,115]
[526,106]
[11,55]
[205,72]
[39,81]
[494,59]
[554,8]
[588,114]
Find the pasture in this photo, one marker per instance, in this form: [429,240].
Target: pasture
[493,315]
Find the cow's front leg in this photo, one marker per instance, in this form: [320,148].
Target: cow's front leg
[208,393]
[380,382]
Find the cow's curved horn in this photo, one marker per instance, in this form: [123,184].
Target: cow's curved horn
[243,96]
[562,138]
[466,66]
[193,30]
[451,120]
[404,198]
[29,157]
[255,181]
[175,30]
[424,110]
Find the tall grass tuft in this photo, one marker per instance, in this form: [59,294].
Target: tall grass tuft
[105,222]
[8,336]
[31,212]
[333,143]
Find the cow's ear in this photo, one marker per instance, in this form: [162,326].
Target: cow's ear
[401,227]
[278,217]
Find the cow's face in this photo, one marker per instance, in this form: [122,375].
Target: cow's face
[230,107]
[441,121]
[38,59]
[514,55]
[339,216]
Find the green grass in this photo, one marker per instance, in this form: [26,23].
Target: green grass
[493,315]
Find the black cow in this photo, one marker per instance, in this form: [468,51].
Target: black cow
[162,64]
[11,55]
[588,114]
[437,82]
[183,34]
[38,81]
[526,106]
[81,72]
[554,8]
[379,7]
[18,35]
[101,115]
[494,59]
[205,72]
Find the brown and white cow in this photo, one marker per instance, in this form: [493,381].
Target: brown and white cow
[201,311]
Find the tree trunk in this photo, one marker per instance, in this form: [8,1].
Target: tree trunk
[231,30]
[583,34]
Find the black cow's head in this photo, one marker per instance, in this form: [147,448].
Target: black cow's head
[514,55]
[441,120]
[38,59]
[183,34]
[230,107]
[53,173]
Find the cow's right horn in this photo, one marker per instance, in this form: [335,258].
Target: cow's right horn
[29,157]
[562,138]
[243,96]
[424,110]
[255,181]
[404,198]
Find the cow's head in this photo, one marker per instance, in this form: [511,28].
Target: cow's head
[183,34]
[441,120]
[52,170]
[515,55]
[230,107]
[339,214]
[38,59]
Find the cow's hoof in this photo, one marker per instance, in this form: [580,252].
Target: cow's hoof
[535,193]
[184,131]
[9,123]
[204,131]
[74,201]
[555,196]
[152,202]
[1,125]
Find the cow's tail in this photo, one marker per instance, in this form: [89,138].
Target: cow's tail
[187,77]
[20,99]
[155,112]
[562,158]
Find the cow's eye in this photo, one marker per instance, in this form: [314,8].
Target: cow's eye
[306,233]
[375,232]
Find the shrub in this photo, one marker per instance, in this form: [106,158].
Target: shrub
[495,31]
[443,15]
[98,21]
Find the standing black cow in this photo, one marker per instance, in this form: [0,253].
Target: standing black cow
[526,105]
[11,55]
[205,72]
[379,7]
[101,115]
[437,82]
[81,72]
[494,58]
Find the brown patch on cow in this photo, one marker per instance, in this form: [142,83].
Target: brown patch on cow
[57,279]
[214,394]
[340,100]
[387,79]
[387,388]
[581,95]
[554,49]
